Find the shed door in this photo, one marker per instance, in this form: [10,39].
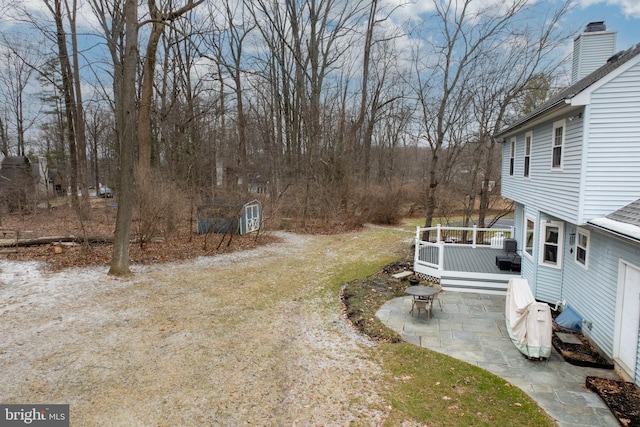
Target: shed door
[253,217]
[626,347]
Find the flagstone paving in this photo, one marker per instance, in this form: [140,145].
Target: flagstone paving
[471,327]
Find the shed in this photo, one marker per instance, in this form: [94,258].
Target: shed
[224,215]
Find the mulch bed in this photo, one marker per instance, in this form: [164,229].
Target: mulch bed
[622,398]
[583,354]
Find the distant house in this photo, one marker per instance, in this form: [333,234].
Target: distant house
[56,182]
[17,182]
[572,167]
[24,180]
[230,215]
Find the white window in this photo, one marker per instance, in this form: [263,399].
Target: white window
[557,145]
[529,231]
[527,153]
[512,156]
[551,235]
[582,247]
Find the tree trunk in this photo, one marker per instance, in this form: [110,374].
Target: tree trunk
[69,102]
[158,20]
[146,93]
[120,259]
[81,137]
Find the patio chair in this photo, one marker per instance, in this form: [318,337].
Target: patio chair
[435,297]
[421,304]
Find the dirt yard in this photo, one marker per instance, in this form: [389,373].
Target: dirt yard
[245,338]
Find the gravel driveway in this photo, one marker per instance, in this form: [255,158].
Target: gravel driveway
[249,338]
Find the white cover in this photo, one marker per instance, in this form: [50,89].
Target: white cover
[528,322]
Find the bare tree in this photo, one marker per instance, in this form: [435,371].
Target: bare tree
[228,41]
[69,71]
[99,124]
[20,60]
[120,258]
[464,38]
[515,75]
[159,19]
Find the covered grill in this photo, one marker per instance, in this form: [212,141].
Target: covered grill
[528,322]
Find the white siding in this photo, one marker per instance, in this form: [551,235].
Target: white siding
[612,178]
[552,191]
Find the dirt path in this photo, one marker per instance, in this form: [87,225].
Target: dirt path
[251,338]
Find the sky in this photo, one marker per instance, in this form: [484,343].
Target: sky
[622,16]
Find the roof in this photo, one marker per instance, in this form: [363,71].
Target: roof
[625,222]
[560,99]
[226,205]
[15,162]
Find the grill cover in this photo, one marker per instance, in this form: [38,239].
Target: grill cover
[528,322]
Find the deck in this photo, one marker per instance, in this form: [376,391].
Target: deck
[463,267]
[479,260]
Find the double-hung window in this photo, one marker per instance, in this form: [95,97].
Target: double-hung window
[557,144]
[551,235]
[512,156]
[527,153]
[529,230]
[582,247]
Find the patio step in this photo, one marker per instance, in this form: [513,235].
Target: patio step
[478,285]
[402,275]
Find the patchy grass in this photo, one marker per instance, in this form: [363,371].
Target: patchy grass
[192,342]
[438,390]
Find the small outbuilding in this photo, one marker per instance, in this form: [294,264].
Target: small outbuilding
[229,215]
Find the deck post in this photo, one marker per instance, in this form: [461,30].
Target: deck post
[438,234]
[416,247]
[440,256]
[475,235]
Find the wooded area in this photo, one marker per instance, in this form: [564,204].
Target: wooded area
[364,110]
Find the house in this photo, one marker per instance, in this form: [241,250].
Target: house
[572,167]
[28,179]
[230,215]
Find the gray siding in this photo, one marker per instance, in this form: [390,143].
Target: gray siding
[590,51]
[600,175]
[612,178]
[592,292]
[518,220]
[545,282]
[547,190]
[548,279]
[528,266]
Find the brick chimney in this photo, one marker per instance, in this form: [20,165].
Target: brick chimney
[591,49]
